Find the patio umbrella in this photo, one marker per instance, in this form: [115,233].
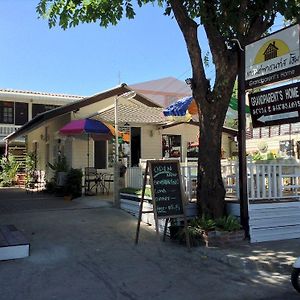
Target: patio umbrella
[90,127]
[186,107]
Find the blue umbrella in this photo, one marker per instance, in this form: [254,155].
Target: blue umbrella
[178,108]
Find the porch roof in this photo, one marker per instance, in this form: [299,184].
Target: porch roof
[46,116]
[132,113]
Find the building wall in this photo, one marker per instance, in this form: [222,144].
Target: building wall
[52,143]
[252,145]
[150,142]
[80,151]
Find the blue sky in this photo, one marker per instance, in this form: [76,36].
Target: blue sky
[88,58]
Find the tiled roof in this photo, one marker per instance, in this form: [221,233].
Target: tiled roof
[12,91]
[133,113]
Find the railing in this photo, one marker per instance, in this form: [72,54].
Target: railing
[134,178]
[271,180]
[266,180]
[6,129]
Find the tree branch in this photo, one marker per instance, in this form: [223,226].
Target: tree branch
[189,30]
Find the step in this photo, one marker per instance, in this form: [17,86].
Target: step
[13,243]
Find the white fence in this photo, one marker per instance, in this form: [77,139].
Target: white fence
[134,178]
[267,180]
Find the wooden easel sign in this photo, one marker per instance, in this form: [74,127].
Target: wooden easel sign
[167,194]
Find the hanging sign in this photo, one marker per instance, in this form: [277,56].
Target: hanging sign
[273,58]
[276,106]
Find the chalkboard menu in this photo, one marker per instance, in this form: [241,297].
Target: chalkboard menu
[166,188]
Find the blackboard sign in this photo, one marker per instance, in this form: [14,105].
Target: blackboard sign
[166,188]
[167,195]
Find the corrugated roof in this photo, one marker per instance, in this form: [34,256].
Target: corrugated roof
[13,91]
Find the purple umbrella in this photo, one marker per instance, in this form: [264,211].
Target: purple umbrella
[88,126]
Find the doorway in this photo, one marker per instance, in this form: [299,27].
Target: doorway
[135,146]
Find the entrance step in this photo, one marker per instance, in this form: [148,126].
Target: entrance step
[13,243]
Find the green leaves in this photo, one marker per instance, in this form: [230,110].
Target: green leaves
[9,167]
[204,223]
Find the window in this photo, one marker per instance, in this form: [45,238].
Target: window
[7,112]
[286,148]
[171,146]
[40,108]
[21,114]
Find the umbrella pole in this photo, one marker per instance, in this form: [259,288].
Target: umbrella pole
[88,162]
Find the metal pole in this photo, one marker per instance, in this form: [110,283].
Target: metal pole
[116,131]
[116,164]
[242,144]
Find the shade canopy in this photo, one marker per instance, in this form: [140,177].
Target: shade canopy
[88,126]
[187,105]
[178,108]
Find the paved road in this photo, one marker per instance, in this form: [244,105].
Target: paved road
[90,254]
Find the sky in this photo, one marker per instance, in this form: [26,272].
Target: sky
[88,59]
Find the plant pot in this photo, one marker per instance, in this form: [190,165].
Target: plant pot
[222,238]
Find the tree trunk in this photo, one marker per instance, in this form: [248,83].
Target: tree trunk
[210,189]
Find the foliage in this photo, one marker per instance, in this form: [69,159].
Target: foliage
[134,191]
[264,156]
[229,223]
[224,22]
[73,184]
[9,168]
[60,165]
[205,223]
[30,162]
[199,227]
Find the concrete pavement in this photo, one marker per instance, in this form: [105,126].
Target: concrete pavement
[85,250]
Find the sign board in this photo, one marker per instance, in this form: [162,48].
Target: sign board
[166,188]
[167,194]
[276,106]
[273,58]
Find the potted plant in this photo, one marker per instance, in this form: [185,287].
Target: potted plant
[219,232]
[73,184]
[30,163]
[60,168]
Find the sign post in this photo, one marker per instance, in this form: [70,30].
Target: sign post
[167,194]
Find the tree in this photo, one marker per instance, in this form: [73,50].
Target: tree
[223,21]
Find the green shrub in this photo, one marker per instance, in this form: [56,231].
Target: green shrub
[9,168]
[204,223]
[30,163]
[134,191]
[229,223]
[73,184]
